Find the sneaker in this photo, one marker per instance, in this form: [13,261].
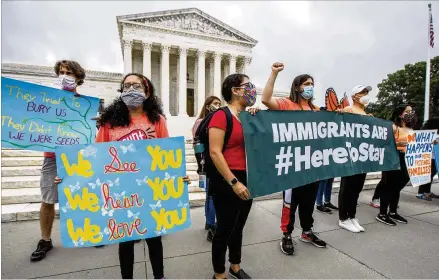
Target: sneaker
[323,209]
[432,195]
[239,275]
[424,196]
[330,206]
[356,223]
[385,220]
[348,225]
[310,237]
[375,203]
[287,245]
[397,218]
[210,234]
[43,248]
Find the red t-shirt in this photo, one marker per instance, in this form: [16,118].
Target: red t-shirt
[140,128]
[235,149]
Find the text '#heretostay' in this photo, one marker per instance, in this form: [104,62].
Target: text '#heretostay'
[340,155]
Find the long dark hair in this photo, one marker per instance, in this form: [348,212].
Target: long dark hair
[117,114]
[397,112]
[204,112]
[295,94]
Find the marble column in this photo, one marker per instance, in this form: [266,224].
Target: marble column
[182,82]
[232,64]
[217,75]
[127,56]
[147,59]
[165,78]
[246,65]
[201,54]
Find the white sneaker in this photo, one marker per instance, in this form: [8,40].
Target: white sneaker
[348,225]
[357,224]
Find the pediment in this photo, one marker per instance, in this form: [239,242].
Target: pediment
[189,20]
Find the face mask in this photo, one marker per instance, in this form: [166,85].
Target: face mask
[213,108]
[364,100]
[409,118]
[67,82]
[308,92]
[133,98]
[250,95]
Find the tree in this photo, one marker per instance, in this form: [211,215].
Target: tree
[408,86]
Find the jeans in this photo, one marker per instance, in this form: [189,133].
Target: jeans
[393,182]
[209,208]
[232,213]
[426,188]
[325,188]
[350,188]
[126,257]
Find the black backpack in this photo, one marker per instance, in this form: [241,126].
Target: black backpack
[201,142]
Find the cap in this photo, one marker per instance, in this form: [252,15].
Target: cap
[360,88]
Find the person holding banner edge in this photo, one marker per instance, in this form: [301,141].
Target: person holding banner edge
[70,75]
[228,187]
[424,191]
[303,197]
[211,104]
[351,186]
[404,119]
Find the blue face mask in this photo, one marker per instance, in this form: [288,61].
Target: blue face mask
[308,92]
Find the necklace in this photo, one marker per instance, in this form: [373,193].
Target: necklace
[233,113]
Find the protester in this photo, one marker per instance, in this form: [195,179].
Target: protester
[303,197]
[137,109]
[211,104]
[404,118]
[351,186]
[70,76]
[424,191]
[228,187]
[325,189]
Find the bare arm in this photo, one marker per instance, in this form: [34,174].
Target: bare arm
[216,142]
[267,94]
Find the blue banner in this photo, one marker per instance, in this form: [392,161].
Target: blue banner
[119,191]
[39,118]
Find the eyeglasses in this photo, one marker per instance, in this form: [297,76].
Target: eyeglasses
[127,86]
[246,86]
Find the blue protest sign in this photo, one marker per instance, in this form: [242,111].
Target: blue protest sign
[39,118]
[119,191]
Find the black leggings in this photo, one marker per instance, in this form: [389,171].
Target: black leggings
[231,216]
[427,187]
[126,257]
[393,182]
[350,188]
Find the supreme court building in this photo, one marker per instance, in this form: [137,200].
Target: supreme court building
[186,53]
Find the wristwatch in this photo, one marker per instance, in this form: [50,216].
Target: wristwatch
[233,182]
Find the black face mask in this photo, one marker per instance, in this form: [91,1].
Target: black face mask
[409,118]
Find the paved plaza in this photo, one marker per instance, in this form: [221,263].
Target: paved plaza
[404,251]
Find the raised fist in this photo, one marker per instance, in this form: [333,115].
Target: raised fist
[277,67]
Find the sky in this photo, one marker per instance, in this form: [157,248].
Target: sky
[341,44]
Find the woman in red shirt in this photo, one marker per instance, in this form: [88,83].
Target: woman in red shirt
[304,197]
[228,188]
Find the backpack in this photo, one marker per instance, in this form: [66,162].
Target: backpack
[201,142]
